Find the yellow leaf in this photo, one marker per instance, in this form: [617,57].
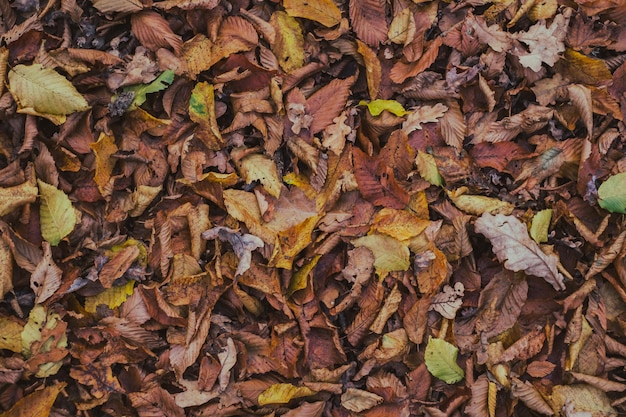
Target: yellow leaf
[539,226]
[402,28]
[44,333]
[322,11]
[243,206]
[427,167]
[6,269]
[478,204]
[56,213]
[202,111]
[373,69]
[258,167]
[583,69]
[398,224]
[389,253]
[299,280]
[11,337]
[44,90]
[292,241]
[580,400]
[142,197]
[112,297]
[103,149]
[12,198]
[289,43]
[283,393]
[38,403]
[4,58]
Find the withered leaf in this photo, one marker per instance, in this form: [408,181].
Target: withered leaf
[512,245]
[242,244]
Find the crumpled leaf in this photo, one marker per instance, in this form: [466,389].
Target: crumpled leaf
[283,393]
[612,193]
[358,400]
[448,301]
[243,244]
[530,396]
[512,245]
[580,399]
[44,333]
[56,213]
[40,91]
[440,358]
[545,44]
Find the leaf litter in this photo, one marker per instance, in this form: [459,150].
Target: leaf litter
[324,208]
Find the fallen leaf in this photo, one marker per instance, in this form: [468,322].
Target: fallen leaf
[440,358]
[242,244]
[56,213]
[38,403]
[283,393]
[512,245]
[358,400]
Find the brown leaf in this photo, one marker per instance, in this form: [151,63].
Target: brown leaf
[327,103]
[401,71]
[154,32]
[512,245]
[38,403]
[530,396]
[46,277]
[368,20]
[381,188]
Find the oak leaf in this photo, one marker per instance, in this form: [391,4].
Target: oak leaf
[512,245]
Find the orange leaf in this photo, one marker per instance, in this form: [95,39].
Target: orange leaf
[39,403]
[368,20]
[154,32]
[401,71]
[327,103]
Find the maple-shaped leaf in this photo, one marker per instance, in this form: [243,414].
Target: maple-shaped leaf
[368,20]
[545,44]
[512,245]
[43,91]
[56,213]
[242,244]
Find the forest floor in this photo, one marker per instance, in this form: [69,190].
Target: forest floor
[312,208]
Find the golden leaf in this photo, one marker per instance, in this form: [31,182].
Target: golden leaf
[390,254]
[283,393]
[322,11]
[103,149]
[373,69]
[289,42]
[12,198]
[38,403]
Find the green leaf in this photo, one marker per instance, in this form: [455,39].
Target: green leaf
[612,194]
[159,84]
[440,358]
[56,213]
[376,107]
[539,226]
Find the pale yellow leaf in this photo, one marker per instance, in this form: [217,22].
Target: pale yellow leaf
[321,11]
[478,204]
[11,336]
[289,42]
[283,393]
[389,253]
[56,213]
[111,297]
[12,198]
[44,90]
[258,167]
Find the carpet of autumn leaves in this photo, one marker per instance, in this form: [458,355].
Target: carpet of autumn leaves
[312,208]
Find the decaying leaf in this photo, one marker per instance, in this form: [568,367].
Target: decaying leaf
[512,245]
[448,302]
[242,244]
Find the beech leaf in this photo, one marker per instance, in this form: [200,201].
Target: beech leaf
[44,90]
[283,393]
[12,198]
[612,194]
[56,213]
[389,253]
[512,245]
[440,358]
[322,11]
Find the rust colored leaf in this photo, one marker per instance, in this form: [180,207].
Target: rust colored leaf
[381,188]
[327,103]
[153,31]
[368,20]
